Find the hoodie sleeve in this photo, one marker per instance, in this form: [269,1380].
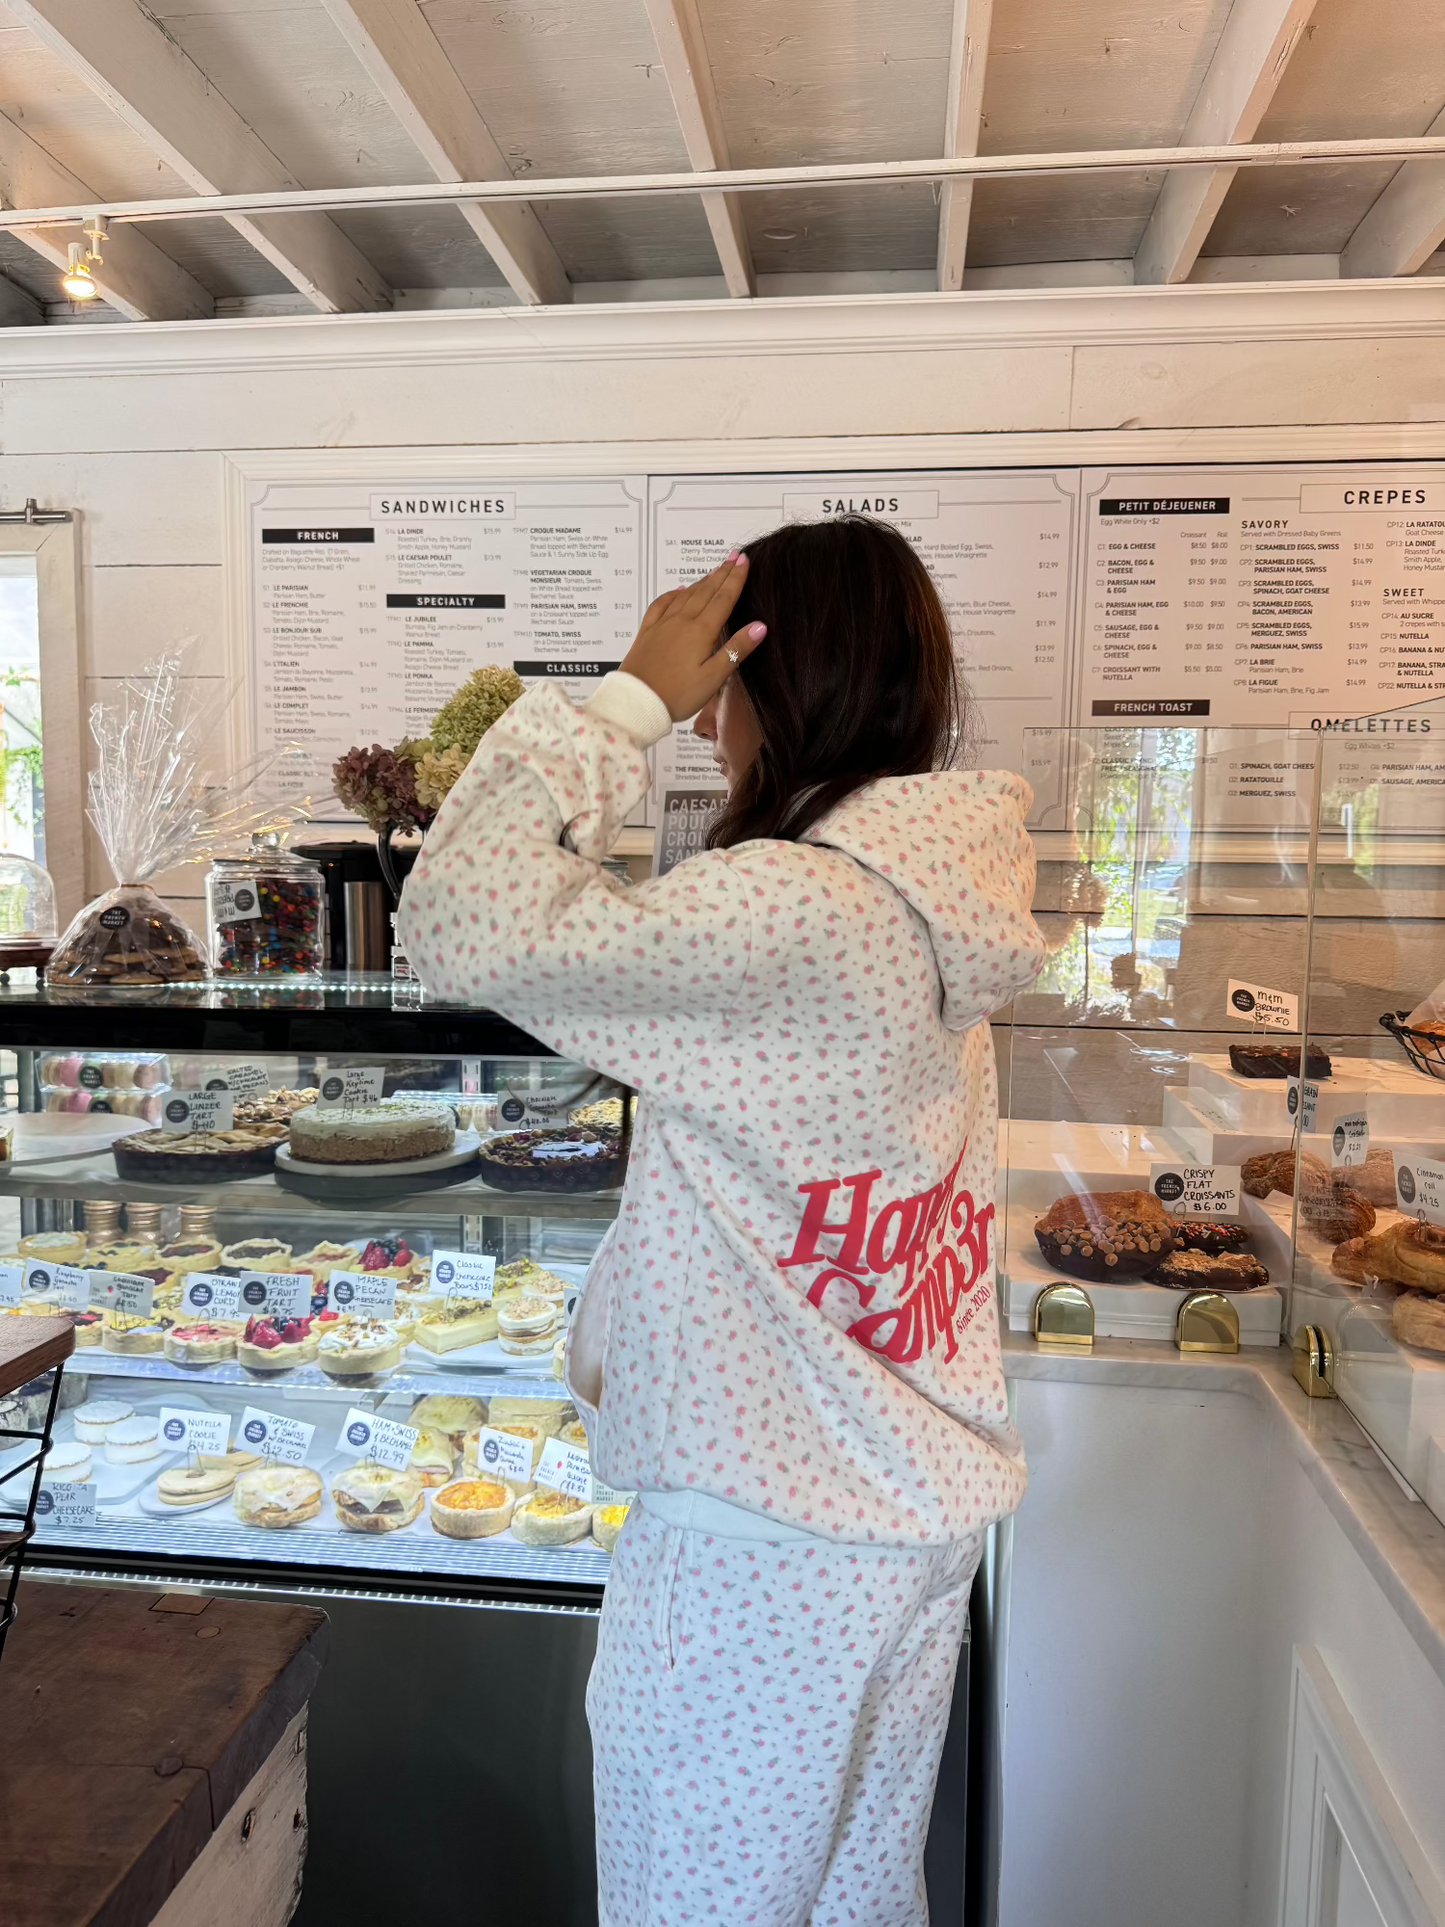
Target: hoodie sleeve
[499,911]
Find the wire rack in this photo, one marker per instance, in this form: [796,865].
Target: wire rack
[1424,1048]
[20,1495]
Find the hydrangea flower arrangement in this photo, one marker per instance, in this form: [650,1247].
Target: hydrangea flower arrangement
[404,787]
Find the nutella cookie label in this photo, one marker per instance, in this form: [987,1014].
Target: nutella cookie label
[277,1437]
[1262,1006]
[1350,1140]
[364,1294]
[1420,1187]
[565,1469]
[463,1274]
[65,1506]
[208,1296]
[346,1090]
[183,1429]
[1197,1190]
[366,1435]
[504,1456]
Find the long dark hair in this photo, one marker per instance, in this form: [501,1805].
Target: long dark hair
[856,679]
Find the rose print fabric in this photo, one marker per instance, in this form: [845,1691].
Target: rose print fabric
[798,1294]
[767,1722]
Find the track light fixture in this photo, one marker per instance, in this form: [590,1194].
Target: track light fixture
[78,281]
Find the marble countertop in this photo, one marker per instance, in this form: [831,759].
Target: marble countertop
[1399,1539]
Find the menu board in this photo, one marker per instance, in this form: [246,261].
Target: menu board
[1261,597]
[1266,599]
[373,604]
[1000,546]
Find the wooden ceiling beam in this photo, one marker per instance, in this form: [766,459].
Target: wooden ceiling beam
[392,40]
[1405,225]
[967,61]
[162,95]
[1249,62]
[135,276]
[680,44]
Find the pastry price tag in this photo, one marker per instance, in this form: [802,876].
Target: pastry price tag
[275,1294]
[234,899]
[365,1435]
[241,1080]
[504,1455]
[185,1111]
[1350,1140]
[565,1469]
[1302,1101]
[208,1295]
[345,1090]
[65,1285]
[66,1505]
[123,1292]
[1420,1187]
[184,1429]
[1197,1190]
[363,1293]
[12,1280]
[1258,1004]
[287,1439]
[531,1110]
[463,1274]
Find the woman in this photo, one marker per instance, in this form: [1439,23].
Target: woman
[788,1345]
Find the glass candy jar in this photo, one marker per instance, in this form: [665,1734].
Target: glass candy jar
[266,912]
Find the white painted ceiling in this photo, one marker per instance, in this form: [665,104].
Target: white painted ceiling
[579,87]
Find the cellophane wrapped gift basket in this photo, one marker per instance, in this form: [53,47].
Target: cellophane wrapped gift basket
[155,805]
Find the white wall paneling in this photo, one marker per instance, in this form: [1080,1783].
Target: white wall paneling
[1351,1858]
[57,565]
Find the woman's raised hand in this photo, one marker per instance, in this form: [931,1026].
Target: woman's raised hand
[683,650]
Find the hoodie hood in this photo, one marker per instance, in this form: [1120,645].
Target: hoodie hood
[954,847]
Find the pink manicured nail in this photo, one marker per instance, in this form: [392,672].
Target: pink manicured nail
[756,631]
[730,557]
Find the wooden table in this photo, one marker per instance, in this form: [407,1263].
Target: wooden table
[152,1758]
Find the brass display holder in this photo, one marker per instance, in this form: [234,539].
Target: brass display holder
[1314,1361]
[1064,1317]
[1207,1322]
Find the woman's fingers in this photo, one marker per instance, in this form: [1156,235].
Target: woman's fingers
[740,644]
[712,596]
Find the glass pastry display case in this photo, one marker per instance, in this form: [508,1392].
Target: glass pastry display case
[1147,1074]
[321,1241]
[1370,1245]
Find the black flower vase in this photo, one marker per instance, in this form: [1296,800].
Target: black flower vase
[386,856]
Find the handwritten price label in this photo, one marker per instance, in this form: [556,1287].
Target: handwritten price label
[187,1111]
[1350,1140]
[234,900]
[463,1274]
[241,1080]
[185,1430]
[1302,1102]
[1259,1004]
[364,1435]
[288,1439]
[566,1469]
[1197,1190]
[348,1089]
[363,1294]
[66,1506]
[122,1292]
[504,1456]
[275,1294]
[208,1296]
[64,1285]
[12,1281]
[1420,1188]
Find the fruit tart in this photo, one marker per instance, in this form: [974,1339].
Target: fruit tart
[276,1344]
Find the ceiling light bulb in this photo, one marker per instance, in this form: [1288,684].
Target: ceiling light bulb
[77,281]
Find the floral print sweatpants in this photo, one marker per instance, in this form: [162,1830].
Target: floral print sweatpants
[767,1720]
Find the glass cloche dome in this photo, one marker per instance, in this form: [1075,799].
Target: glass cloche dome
[27,904]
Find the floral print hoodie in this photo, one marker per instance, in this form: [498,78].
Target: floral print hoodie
[800,1314]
